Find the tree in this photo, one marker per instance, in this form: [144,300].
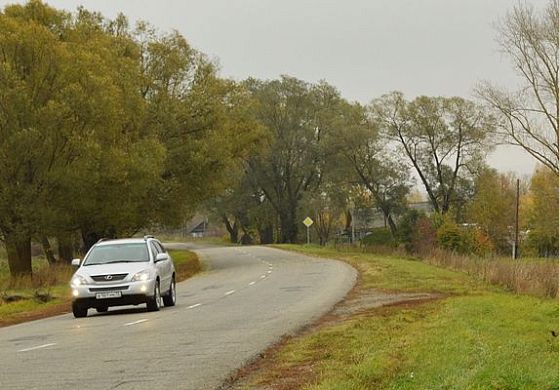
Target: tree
[543,217]
[205,123]
[296,116]
[34,139]
[493,206]
[445,140]
[371,163]
[530,117]
[105,130]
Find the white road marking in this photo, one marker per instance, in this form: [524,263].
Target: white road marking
[37,347]
[135,322]
[269,272]
[229,292]
[262,276]
[252,283]
[195,305]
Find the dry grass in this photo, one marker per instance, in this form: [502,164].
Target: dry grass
[528,276]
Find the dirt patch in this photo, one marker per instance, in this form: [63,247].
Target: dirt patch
[358,302]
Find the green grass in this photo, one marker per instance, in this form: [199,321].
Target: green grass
[398,274]
[478,337]
[54,281]
[186,263]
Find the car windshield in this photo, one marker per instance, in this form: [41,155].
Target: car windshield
[118,253]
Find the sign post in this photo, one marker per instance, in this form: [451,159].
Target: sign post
[308,223]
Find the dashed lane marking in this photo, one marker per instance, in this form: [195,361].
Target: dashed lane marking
[195,305]
[37,347]
[135,322]
[252,283]
[229,292]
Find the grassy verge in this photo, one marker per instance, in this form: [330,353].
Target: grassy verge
[186,263]
[47,293]
[479,336]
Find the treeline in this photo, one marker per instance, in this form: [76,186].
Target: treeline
[106,129]
[325,157]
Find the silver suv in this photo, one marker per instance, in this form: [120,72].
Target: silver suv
[129,271]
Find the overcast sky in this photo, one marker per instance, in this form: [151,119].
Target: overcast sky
[364,47]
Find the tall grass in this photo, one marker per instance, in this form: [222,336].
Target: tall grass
[538,277]
[533,276]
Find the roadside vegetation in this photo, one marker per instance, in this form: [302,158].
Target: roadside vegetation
[109,130]
[471,334]
[47,292]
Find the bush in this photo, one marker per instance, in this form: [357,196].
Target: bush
[424,237]
[407,228]
[482,244]
[540,245]
[379,237]
[454,238]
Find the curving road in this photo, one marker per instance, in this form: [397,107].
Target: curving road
[248,299]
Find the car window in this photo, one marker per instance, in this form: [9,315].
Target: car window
[153,249]
[117,253]
[160,247]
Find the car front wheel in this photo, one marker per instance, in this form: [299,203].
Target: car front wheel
[154,303]
[78,310]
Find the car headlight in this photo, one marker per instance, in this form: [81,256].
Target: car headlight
[141,276]
[78,280]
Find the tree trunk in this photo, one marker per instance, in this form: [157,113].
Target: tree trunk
[89,238]
[65,249]
[391,225]
[266,234]
[47,249]
[19,254]
[232,229]
[288,226]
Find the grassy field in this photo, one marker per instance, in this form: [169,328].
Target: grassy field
[47,293]
[477,336]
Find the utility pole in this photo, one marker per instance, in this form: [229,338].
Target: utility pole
[515,253]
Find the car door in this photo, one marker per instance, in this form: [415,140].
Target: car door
[164,268]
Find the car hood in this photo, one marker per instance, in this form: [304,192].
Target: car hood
[114,268]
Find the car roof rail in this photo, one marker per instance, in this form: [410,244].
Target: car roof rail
[148,236]
[103,239]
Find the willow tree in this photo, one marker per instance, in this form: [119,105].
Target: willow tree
[371,163]
[204,121]
[33,110]
[296,116]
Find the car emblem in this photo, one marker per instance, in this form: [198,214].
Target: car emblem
[109,277]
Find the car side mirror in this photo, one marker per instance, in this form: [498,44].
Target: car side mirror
[161,257]
[76,262]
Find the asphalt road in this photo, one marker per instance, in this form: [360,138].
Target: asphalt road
[248,299]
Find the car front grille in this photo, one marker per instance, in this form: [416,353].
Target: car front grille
[109,277]
[116,288]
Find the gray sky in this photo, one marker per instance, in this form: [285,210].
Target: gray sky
[364,47]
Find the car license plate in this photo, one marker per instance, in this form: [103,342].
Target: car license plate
[108,294]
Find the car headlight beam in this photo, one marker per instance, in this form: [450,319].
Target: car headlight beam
[78,280]
[141,276]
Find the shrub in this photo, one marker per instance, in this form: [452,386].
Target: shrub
[424,237]
[482,245]
[379,237]
[454,238]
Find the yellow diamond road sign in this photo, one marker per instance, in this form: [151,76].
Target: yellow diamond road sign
[308,222]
